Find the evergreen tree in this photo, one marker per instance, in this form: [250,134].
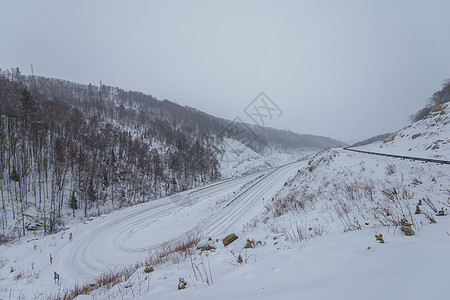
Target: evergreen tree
[29,107]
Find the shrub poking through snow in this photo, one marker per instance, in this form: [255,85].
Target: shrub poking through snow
[418,210]
[390,169]
[408,230]
[182,284]
[405,222]
[442,212]
[106,280]
[17,276]
[149,269]
[250,244]
[229,239]
[430,217]
[416,182]
[379,238]
[239,259]
[174,253]
[201,270]
[406,227]
[291,202]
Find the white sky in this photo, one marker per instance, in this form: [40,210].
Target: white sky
[344,69]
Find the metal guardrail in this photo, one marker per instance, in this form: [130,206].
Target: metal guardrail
[437,161]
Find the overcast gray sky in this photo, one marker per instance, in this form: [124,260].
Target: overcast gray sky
[344,69]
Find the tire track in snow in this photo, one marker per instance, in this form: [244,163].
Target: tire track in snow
[106,246]
[95,250]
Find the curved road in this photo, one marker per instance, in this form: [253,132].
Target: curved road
[127,236]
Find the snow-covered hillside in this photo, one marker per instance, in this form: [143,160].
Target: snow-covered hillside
[237,159]
[428,138]
[70,150]
[339,225]
[315,238]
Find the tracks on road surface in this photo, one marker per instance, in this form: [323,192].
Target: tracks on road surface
[106,245]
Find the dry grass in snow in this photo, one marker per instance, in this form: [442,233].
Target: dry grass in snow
[339,190]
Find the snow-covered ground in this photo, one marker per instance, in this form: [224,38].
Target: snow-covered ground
[428,138]
[128,236]
[339,257]
[334,260]
[337,266]
[312,224]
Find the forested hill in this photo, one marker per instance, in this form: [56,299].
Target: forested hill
[91,148]
[131,107]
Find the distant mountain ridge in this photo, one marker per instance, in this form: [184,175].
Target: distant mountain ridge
[149,107]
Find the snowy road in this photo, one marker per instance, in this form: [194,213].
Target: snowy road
[127,236]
